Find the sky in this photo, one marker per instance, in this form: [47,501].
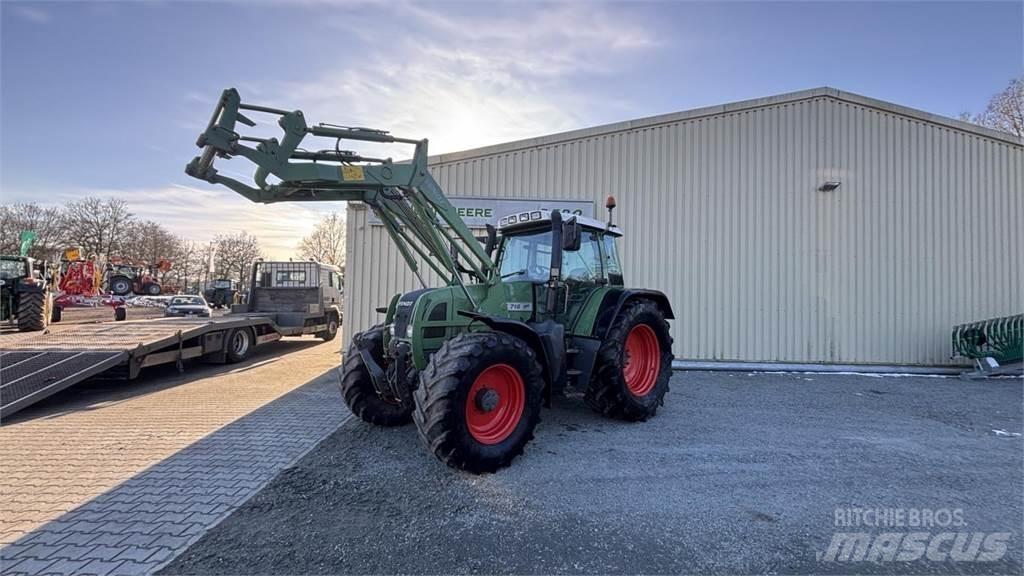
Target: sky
[107,99]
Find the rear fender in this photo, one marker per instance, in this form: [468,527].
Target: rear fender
[615,301]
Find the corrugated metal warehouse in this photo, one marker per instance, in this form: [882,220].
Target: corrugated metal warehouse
[723,209]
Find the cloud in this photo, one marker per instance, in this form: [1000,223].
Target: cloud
[33,14]
[469,79]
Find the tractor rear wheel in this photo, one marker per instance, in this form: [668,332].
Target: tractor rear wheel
[634,364]
[479,400]
[120,285]
[32,311]
[357,387]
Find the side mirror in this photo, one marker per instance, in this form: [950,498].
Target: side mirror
[572,235]
[492,238]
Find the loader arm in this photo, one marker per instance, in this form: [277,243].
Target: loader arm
[409,202]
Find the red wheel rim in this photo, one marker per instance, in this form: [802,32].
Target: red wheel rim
[495,404]
[642,360]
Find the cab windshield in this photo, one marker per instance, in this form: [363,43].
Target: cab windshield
[12,268]
[187,301]
[526,257]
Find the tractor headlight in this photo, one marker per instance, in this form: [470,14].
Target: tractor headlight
[391,330]
[408,331]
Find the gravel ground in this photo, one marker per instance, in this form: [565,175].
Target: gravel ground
[739,473]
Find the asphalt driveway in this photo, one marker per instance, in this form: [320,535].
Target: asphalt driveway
[740,473]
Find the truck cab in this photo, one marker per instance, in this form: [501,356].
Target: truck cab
[304,297]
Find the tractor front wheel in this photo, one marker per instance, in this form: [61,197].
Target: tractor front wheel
[32,311]
[357,387]
[151,289]
[479,400]
[633,365]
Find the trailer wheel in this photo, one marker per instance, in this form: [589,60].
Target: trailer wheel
[332,329]
[634,364]
[57,314]
[357,387]
[31,311]
[479,400]
[238,344]
[120,285]
[120,314]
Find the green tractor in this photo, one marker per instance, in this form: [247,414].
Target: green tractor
[221,293]
[24,293]
[538,307]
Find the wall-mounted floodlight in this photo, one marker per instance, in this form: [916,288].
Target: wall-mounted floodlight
[829,186]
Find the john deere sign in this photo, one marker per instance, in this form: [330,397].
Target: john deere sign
[478,212]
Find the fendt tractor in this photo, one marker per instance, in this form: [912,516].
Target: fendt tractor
[24,292]
[538,307]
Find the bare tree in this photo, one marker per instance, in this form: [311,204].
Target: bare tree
[99,226]
[326,243]
[235,255]
[189,266]
[150,242]
[46,222]
[1005,111]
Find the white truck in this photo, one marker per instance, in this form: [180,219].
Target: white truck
[299,296]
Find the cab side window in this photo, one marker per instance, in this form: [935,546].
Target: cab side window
[612,268]
[584,265]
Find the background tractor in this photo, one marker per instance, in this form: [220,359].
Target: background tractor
[123,278]
[24,292]
[521,317]
[220,293]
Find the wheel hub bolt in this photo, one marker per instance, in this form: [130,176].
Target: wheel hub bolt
[487,399]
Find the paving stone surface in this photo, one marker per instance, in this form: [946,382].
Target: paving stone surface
[119,479]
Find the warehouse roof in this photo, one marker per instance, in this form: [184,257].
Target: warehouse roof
[723,109]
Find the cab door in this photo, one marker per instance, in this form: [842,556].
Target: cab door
[332,288]
[583,275]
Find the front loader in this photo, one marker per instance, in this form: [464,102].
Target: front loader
[539,307]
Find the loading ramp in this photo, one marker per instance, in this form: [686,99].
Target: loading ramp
[35,367]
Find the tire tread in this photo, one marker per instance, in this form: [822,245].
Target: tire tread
[606,393]
[438,389]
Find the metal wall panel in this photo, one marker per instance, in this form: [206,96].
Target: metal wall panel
[722,212]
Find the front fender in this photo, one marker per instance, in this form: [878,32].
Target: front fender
[524,332]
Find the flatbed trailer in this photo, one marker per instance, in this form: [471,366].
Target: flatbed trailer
[35,367]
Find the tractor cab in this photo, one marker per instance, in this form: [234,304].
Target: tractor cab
[14,268]
[589,255]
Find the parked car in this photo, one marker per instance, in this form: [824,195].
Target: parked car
[187,306]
